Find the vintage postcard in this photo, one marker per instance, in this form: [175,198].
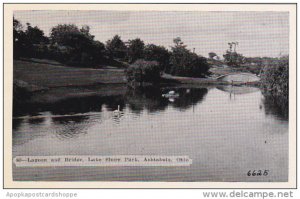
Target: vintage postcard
[150,95]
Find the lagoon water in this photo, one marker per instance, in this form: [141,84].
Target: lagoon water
[225,130]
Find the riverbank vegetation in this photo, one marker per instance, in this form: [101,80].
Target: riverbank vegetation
[275,83]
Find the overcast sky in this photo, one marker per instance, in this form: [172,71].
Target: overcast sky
[258,33]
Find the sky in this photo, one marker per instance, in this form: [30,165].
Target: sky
[258,33]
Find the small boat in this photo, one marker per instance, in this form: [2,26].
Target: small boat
[170,94]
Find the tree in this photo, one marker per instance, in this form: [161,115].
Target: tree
[75,46]
[17,29]
[35,35]
[17,26]
[60,34]
[157,53]
[211,55]
[116,47]
[233,58]
[135,50]
[36,42]
[18,39]
[86,30]
[178,60]
[178,42]
[186,63]
[28,43]
[143,71]
[98,51]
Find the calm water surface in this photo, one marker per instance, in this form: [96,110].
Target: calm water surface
[225,130]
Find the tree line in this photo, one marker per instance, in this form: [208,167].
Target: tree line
[71,45]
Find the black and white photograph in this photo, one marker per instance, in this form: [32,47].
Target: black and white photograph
[137,95]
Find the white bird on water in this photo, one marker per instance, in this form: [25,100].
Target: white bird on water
[171,94]
[117,112]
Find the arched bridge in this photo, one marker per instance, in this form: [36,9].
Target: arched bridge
[239,78]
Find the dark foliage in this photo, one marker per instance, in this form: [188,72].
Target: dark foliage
[143,71]
[25,42]
[233,58]
[212,55]
[135,50]
[67,44]
[158,53]
[186,63]
[275,82]
[116,48]
[75,47]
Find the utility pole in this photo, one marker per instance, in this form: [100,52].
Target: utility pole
[230,51]
[232,44]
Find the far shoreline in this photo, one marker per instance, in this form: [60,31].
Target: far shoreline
[47,81]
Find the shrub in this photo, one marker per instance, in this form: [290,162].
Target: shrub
[275,76]
[143,71]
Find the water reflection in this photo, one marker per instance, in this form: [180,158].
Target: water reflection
[71,106]
[112,103]
[216,129]
[71,127]
[117,118]
[189,97]
[152,98]
[278,106]
[71,118]
[138,100]
[24,130]
[16,124]
[82,105]
[237,90]
[36,120]
[275,106]
[65,120]
[148,98]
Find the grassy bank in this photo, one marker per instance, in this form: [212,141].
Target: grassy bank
[61,93]
[43,81]
[50,76]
